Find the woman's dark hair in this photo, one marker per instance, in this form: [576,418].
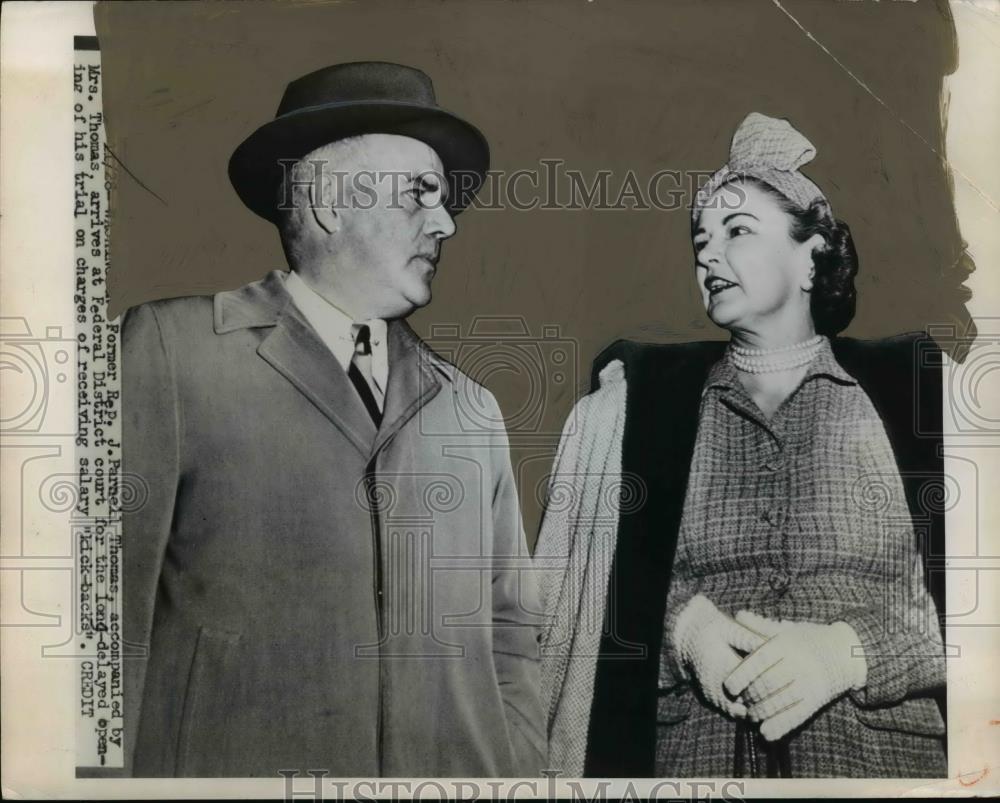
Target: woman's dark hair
[833,298]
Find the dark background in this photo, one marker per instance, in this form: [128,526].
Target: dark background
[641,85]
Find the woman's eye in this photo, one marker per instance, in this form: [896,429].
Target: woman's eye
[737,230]
[699,244]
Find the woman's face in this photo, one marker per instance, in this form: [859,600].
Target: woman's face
[751,273]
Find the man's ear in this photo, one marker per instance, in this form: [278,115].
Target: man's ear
[324,204]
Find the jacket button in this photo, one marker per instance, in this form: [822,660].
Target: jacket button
[771,516]
[775,462]
[779,581]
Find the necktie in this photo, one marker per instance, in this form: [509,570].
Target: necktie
[360,370]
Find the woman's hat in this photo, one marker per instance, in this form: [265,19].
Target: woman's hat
[771,150]
[346,100]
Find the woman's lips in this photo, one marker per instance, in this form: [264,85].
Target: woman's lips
[719,287]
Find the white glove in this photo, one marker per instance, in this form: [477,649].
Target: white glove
[799,668]
[707,641]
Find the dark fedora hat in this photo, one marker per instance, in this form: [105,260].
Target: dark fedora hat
[346,100]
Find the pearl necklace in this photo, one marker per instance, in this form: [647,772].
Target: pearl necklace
[783,358]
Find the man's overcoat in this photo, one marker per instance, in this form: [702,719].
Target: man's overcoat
[311,592]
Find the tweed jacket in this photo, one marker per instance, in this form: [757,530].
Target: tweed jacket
[303,590]
[603,702]
[802,516]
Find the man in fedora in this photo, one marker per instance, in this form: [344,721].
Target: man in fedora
[326,572]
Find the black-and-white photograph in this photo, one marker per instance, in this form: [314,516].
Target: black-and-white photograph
[499,398]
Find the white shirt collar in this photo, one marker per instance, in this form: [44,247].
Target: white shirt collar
[333,326]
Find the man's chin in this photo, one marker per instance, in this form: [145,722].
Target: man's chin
[420,295]
[411,302]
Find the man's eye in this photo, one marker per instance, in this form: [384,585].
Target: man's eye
[429,197]
[426,193]
[699,244]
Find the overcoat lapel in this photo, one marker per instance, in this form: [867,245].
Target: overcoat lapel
[412,382]
[295,351]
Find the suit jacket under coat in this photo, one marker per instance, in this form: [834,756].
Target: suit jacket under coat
[289,622]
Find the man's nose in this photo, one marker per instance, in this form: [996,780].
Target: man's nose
[440,223]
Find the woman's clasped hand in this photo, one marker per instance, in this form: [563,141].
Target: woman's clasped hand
[776,673]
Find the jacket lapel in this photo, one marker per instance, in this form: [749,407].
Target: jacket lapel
[414,372]
[294,350]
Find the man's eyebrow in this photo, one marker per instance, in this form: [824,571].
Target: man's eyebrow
[422,180]
[436,183]
[729,217]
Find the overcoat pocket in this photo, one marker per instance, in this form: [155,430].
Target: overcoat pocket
[204,724]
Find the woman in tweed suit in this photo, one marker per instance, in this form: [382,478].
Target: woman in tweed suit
[798,636]
[775,527]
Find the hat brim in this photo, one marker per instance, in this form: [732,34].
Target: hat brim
[256,172]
